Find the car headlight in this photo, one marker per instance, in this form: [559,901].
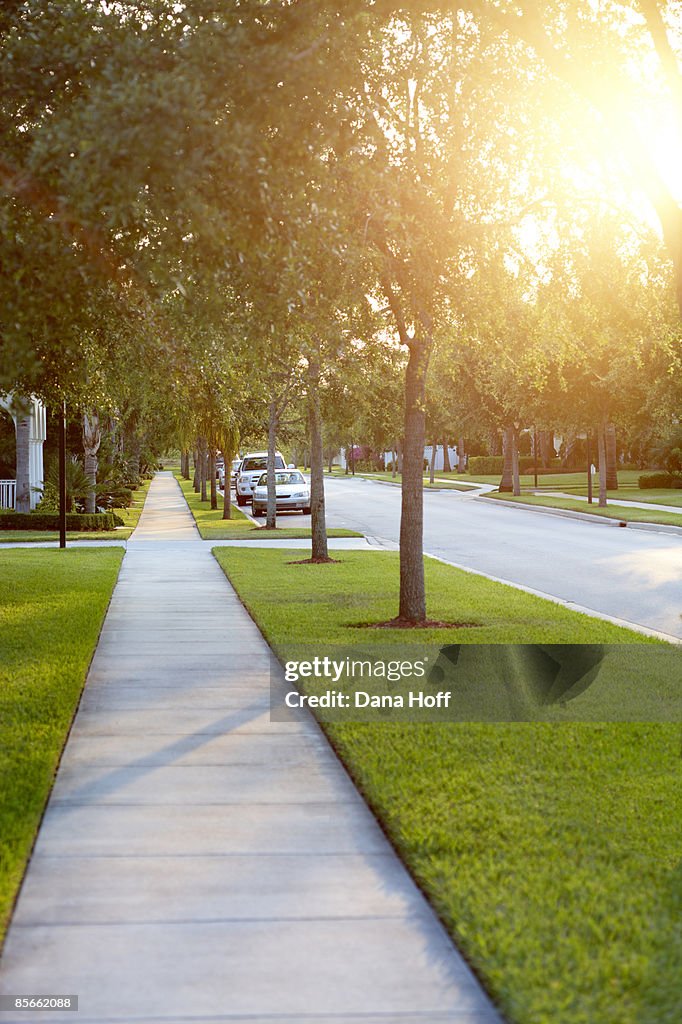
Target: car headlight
[301,494]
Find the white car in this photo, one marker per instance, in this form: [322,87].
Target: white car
[292,491]
[252,468]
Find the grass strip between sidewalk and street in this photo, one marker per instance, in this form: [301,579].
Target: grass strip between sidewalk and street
[52,605]
[621,513]
[442,482]
[212,526]
[130,517]
[551,851]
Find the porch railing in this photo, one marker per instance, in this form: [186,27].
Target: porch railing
[8,493]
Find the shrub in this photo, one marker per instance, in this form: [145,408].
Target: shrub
[49,502]
[485,465]
[117,497]
[77,483]
[663,480]
[77,522]
[669,452]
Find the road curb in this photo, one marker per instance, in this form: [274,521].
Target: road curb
[566,513]
[570,605]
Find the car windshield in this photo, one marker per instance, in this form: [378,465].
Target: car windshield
[261,462]
[283,478]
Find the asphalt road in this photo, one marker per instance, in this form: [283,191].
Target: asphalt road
[630,574]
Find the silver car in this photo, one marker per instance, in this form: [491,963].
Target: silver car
[250,471]
[292,491]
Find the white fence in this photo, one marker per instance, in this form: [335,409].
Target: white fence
[8,493]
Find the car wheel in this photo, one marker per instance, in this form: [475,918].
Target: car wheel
[258,511]
[241,501]
[306,510]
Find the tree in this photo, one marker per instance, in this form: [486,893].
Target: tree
[92,438]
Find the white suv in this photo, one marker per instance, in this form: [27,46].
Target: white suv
[253,466]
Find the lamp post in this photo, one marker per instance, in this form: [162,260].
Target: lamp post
[535,456]
[62,476]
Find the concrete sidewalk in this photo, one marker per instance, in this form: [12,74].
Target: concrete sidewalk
[198,862]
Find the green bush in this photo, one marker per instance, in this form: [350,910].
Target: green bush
[49,502]
[487,465]
[76,522]
[653,481]
[116,497]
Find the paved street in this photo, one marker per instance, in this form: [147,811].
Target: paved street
[630,574]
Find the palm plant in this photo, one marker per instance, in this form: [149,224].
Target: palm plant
[78,484]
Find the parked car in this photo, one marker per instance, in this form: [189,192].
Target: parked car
[236,463]
[253,466]
[292,493]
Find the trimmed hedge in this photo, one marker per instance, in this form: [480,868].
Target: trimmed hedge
[485,465]
[655,480]
[75,521]
[488,465]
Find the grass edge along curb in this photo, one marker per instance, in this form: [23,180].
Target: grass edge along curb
[549,851]
[612,513]
[212,526]
[45,663]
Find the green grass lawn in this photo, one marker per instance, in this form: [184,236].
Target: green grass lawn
[130,517]
[444,481]
[612,511]
[576,483]
[52,604]
[551,851]
[570,483]
[212,526]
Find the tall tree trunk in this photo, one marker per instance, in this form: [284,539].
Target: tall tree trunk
[611,458]
[432,467]
[196,483]
[601,443]
[203,468]
[134,459]
[184,463]
[92,437]
[516,483]
[212,479]
[507,483]
[318,523]
[412,590]
[394,462]
[461,455]
[271,518]
[227,497]
[545,447]
[23,486]
[399,454]
[447,468]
